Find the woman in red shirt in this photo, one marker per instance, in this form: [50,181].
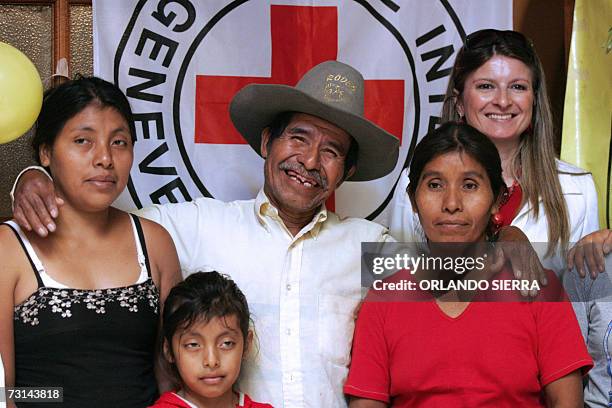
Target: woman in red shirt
[444,352]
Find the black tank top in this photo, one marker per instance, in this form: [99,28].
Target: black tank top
[97,344]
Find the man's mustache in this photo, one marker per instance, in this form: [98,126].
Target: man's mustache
[301,170]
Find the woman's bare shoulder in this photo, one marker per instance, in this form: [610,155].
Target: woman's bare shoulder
[154,232]
[9,243]
[13,256]
[159,242]
[162,256]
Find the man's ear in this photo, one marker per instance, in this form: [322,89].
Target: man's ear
[44,154]
[265,138]
[349,174]
[167,352]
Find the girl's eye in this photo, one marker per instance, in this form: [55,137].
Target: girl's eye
[434,185]
[120,142]
[191,345]
[80,140]
[228,344]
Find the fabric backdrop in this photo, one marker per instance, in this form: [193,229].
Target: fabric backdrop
[180,62]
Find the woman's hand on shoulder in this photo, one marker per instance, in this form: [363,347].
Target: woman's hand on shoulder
[526,265]
[165,267]
[590,253]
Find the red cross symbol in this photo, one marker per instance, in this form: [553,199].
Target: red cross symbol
[302,37]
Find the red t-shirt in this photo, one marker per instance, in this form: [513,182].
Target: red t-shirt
[495,354]
[171,400]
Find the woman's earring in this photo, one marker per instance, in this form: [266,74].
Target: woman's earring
[495,225]
[497,220]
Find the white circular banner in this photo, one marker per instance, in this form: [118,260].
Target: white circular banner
[180,62]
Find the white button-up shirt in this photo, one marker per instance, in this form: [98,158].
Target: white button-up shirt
[302,290]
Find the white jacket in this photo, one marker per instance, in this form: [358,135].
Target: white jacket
[578,190]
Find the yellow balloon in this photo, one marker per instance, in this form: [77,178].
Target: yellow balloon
[21,93]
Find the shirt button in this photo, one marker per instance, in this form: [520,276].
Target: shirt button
[288,332]
[291,377]
[288,286]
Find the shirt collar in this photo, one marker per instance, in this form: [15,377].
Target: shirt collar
[264,209]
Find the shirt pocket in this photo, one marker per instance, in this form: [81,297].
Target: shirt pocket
[336,325]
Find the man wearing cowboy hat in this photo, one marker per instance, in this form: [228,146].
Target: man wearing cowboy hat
[297,263]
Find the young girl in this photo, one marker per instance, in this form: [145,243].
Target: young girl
[206,337]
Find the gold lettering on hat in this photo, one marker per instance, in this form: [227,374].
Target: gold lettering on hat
[336,86]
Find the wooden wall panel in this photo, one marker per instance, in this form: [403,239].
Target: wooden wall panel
[548,24]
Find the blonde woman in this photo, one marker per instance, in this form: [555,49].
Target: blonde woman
[497,85]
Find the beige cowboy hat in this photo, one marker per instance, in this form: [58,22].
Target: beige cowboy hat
[332,91]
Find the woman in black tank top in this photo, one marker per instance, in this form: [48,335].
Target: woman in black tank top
[80,309]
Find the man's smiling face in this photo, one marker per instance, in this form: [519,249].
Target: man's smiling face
[305,164]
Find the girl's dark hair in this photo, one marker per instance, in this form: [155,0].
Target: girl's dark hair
[202,296]
[63,102]
[457,137]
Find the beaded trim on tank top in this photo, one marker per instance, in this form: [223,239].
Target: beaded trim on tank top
[61,300]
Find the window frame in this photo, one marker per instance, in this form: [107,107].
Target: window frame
[61,24]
